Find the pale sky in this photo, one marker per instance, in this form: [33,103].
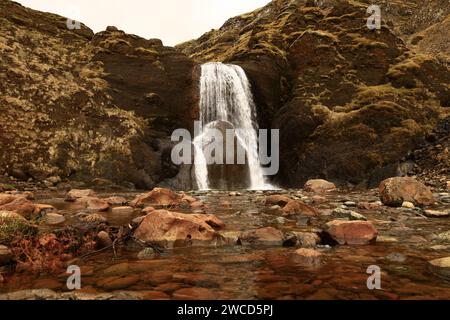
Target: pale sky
[173,21]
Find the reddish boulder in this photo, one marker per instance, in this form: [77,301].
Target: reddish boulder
[159,197]
[395,191]
[277,199]
[295,207]
[20,205]
[350,232]
[319,186]
[173,229]
[94,204]
[264,236]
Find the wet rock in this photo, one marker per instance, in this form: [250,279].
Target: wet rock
[295,207]
[20,205]
[441,267]
[349,232]
[158,197]
[319,186]
[395,191]
[148,210]
[277,200]
[6,255]
[93,218]
[75,194]
[230,237]
[43,209]
[369,205]
[396,257]
[301,239]
[408,205]
[437,214]
[194,294]
[355,216]
[122,211]
[264,236]
[94,204]
[309,257]
[103,240]
[146,254]
[116,201]
[118,283]
[173,229]
[53,219]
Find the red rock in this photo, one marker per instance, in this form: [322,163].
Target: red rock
[277,199]
[116,201]
[75,194]
[395,191]
[194,294]
[47,284]
[264,236]
[212,220]
[158,197]
[148,210]
[368,205]
[295,207]
[118,283]
[351,232]
[308,256]
[173,229]
[6,198]
[319,186]
[125,211]
[103,240]
[155,295]
[20,205]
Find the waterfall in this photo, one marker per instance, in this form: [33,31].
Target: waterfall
[225,96]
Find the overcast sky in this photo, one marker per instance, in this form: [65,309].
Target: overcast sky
[172,21]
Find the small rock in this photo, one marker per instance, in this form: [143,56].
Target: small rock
[350,204]
[277,200]
[354,216]
[280,220]
[441,267]
[350,232]
[116,201]
[448,185]
[407,204]
[147,210]
[103,240]
[123,211]
[146,254]
[437,214]
[264,236]
[308,256]
[5,255]
[275,207]
[53,219]
[319,186]
[295,207]
[75,194]
[386,239]
[396,257]
[93,218]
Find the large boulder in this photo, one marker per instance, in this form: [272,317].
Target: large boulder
[319,186]
[395,191]
[350,232]
[158,197]
[173,229]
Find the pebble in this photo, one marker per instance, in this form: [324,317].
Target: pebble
[275,207]
[356,216]
[409,205]
[350,204]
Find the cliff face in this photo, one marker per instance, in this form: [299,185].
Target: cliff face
[349,101]
[79,106]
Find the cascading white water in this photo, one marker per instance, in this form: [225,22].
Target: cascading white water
[225,95]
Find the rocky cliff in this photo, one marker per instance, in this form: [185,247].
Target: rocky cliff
[351,103]
[81,106]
